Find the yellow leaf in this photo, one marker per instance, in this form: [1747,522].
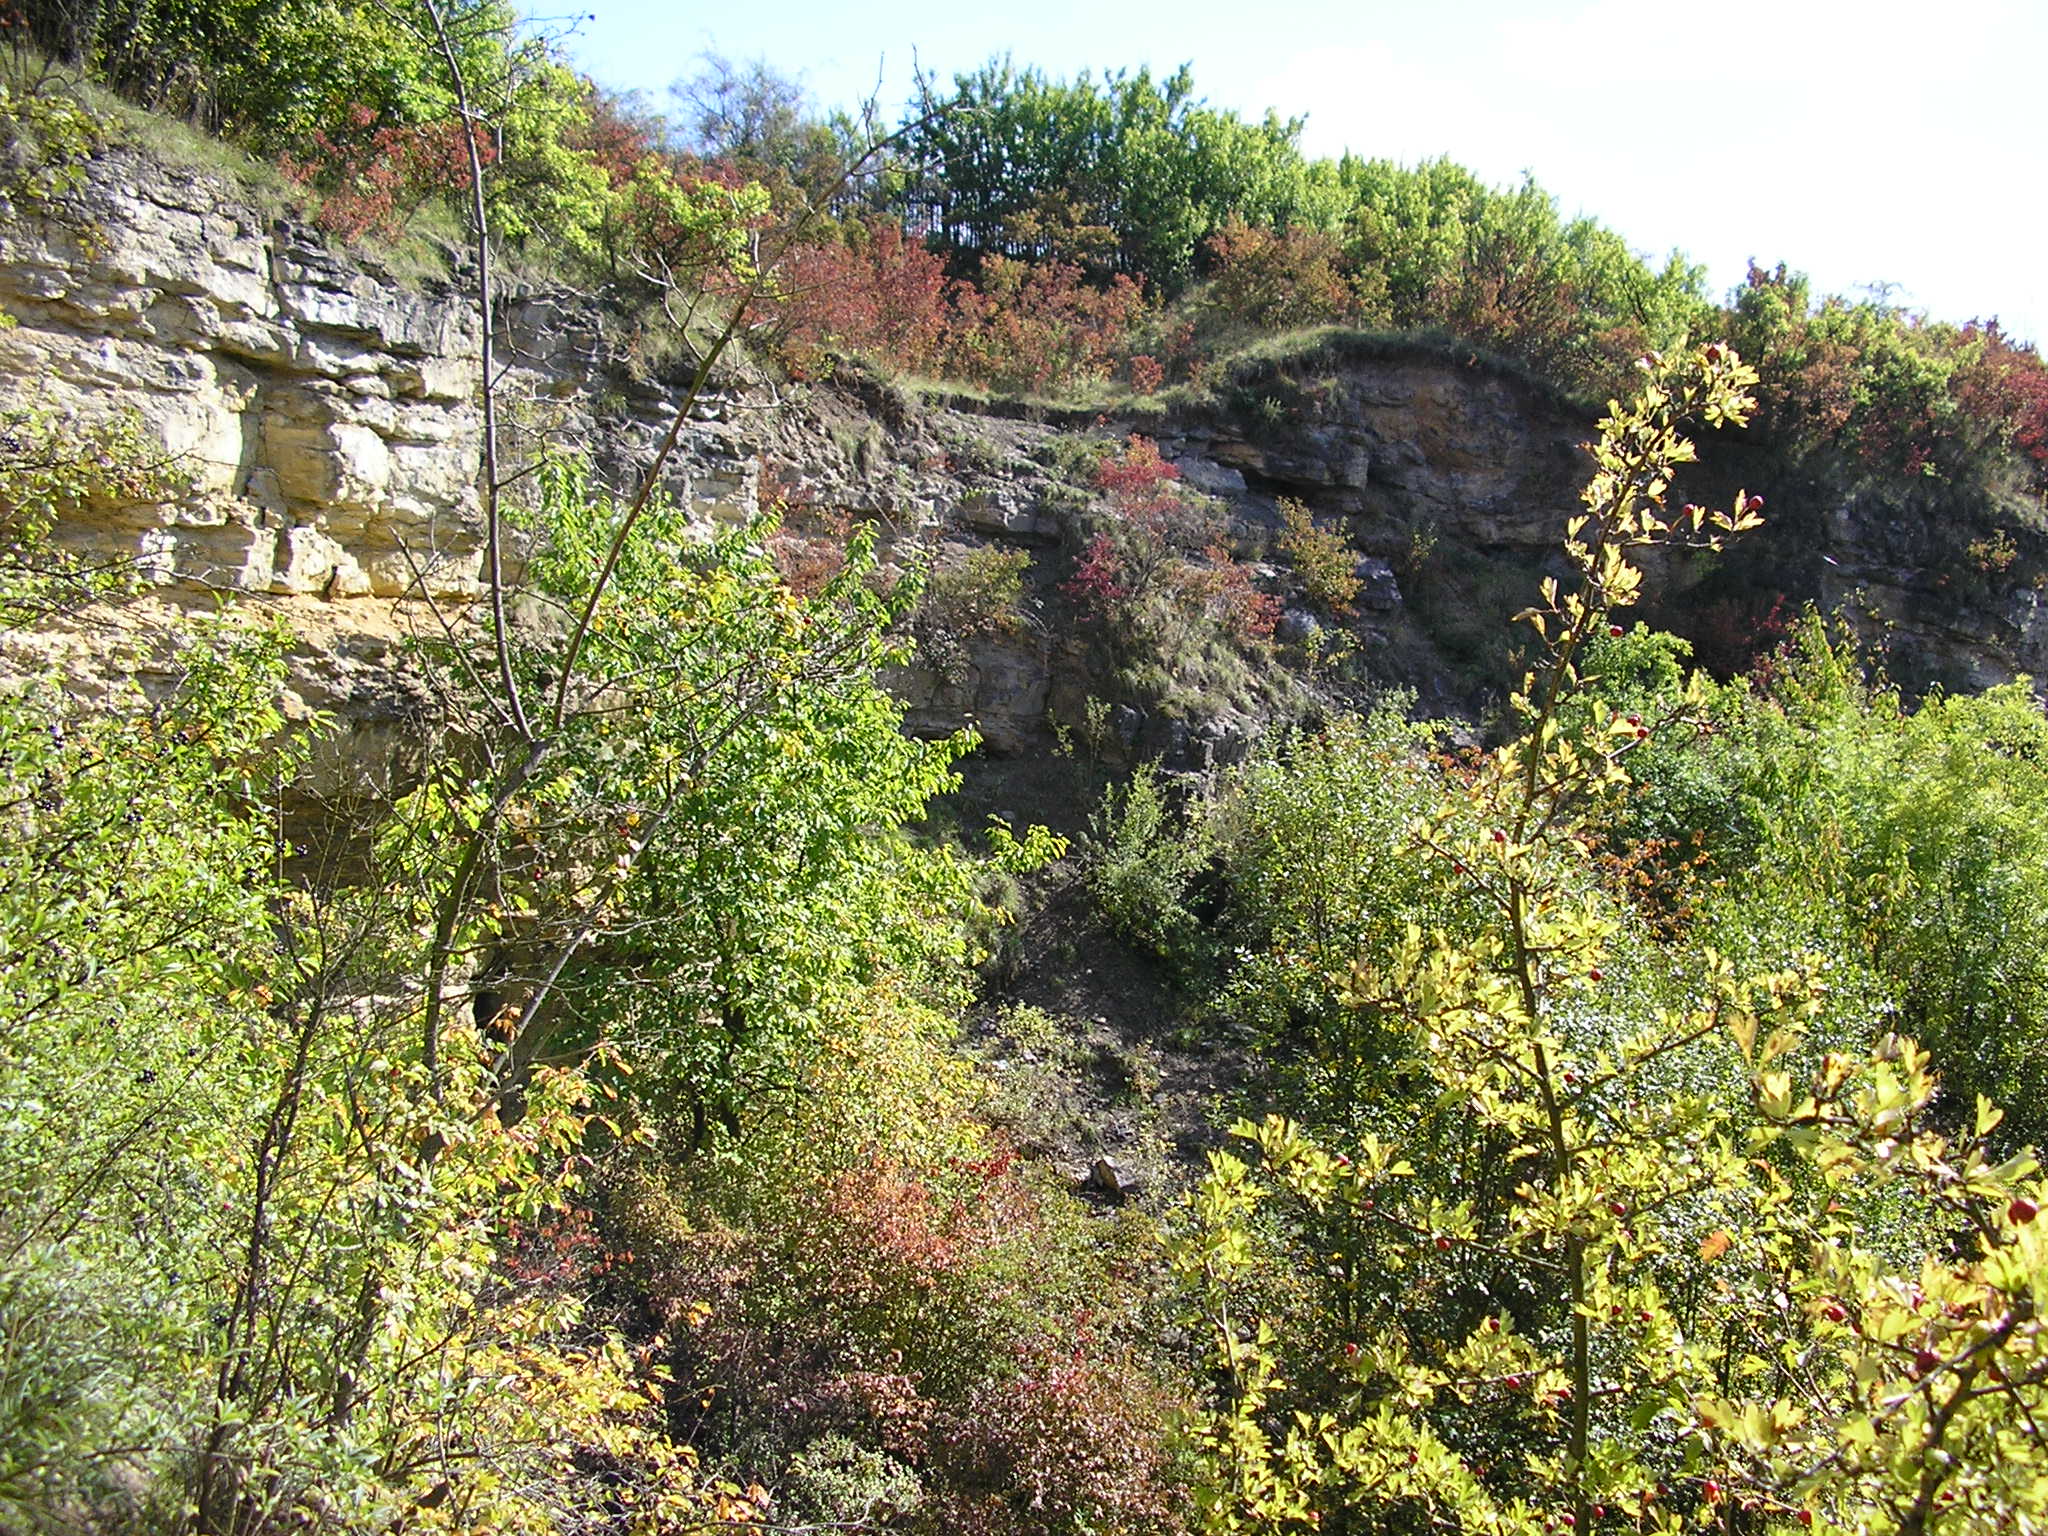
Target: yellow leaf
[1988,1115]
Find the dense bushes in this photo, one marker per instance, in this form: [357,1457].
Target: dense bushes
[1283,243]
[1020,326]
[1892,391]
[1809,808]
[1506,270]
[885,1316]
[233,1281]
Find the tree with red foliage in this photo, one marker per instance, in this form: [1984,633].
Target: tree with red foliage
[373,180]
[876,291]
[1279,281]
[1133,479]
[1163,552]
[1890,389]
[1097,584]
[871,290]
[2005,383]
[1041,326]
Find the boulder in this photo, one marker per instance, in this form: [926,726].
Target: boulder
[1113,1178]
[1296,625]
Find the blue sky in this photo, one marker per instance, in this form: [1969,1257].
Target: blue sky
[1879,142]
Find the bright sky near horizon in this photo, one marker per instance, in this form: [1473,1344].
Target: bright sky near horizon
[1879,142]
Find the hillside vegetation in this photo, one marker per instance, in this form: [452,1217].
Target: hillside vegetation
[650,1117]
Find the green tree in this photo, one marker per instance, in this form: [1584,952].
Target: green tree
[1142,158]
[1310,839]
[721,808]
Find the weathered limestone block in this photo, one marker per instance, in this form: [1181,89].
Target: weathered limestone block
[308,561]
[1209,477]
[236,555]
[1010,512]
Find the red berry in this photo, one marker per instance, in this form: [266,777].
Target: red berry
[1595,974]
[1499,836]
[2021,1211]
[1833,1312]
[1713,352]
[1569,1519]
[1443,1244]
[1614,630]
[1642,733]
[1512,1383]
[1755,504]
[1806,1517]
[1616,1208]
[1350,1351]
[1927,1360]
[1713,1492]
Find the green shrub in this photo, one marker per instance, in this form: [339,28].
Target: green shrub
[1311,840]
[1325,561]
[979,596]
[1810,804]
[46,138]
[1140,858]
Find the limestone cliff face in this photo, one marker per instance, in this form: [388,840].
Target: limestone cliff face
[322,418]
[320,414]
[1461,477]
[1405,440]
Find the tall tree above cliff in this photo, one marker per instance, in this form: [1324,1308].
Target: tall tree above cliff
[1142,157]
[744,112]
